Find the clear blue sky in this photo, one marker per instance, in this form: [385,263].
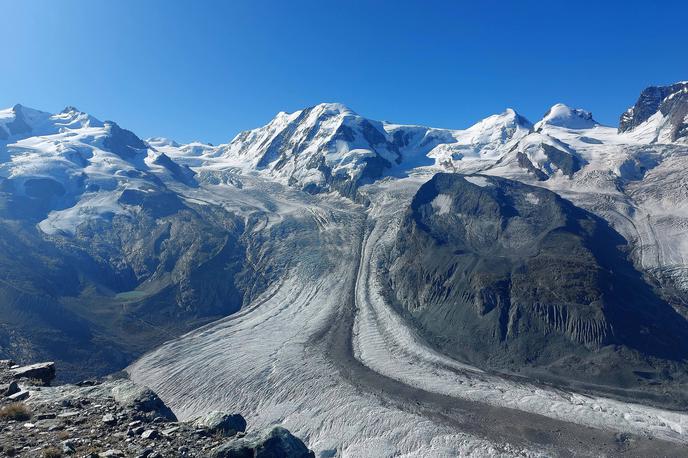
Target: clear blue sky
[208,69]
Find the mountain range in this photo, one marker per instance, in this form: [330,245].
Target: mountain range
[330,251]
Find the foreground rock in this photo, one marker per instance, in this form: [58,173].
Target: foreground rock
[43,372]
[222,423]
[275,442]
[142,399]
[118,418]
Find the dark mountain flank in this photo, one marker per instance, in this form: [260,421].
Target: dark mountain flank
[513,277]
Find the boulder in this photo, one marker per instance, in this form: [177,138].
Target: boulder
[169,431]
[269,443]
[222,422]
[68,447]
[150,434]
[143,399]
[45,372]
[112,453]
[10,388]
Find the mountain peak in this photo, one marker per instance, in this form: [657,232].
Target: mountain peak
[511,116]
[663,111]
[20,120]
[561,115]
[69,109]
[73,118]
[332,108]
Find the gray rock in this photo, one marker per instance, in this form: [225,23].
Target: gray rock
[68,447]
[222,422]
[10,389]
[109,419]
[143,399]
[671,101]
[150,434]
[45,372]
[145,453]
[170,431]
[269,443]
[112,453]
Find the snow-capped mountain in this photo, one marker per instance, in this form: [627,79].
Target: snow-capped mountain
[21,122]
[561,115]
[70,166]
[329,147]
[324,147]
[486,140]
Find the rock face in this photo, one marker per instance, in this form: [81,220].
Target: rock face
[505,274]
[271,443]
[542,156]
[670,103]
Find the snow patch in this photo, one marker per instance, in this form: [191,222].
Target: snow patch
[532,198]
[442,204]
[478,180]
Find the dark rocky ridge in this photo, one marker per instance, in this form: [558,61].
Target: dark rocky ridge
[671,101]
[513,277]
[118,287]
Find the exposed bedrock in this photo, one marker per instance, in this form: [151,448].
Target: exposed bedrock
[511,276]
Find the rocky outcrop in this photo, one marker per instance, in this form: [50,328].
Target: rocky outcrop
[115,417]
[508,275]
[43,372]
[141,399]
[669,101]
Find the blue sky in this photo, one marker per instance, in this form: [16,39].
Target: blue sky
[206,70]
